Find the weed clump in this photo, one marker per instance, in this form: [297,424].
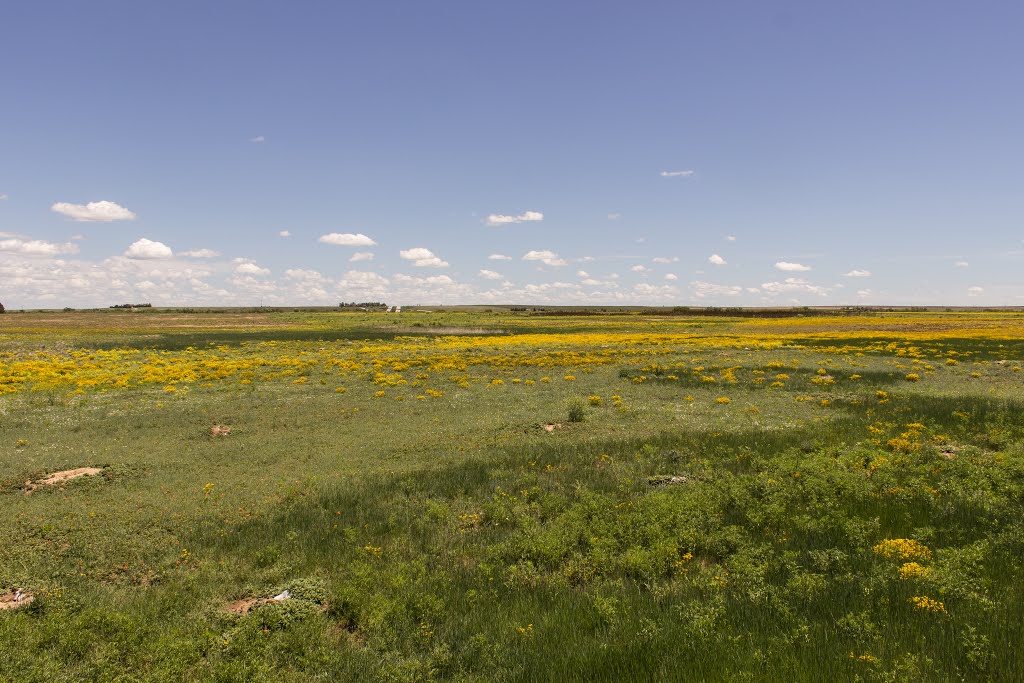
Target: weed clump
[576,410]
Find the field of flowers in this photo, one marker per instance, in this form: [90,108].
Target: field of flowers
[499,496]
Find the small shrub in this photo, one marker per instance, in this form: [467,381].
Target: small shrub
[576,409]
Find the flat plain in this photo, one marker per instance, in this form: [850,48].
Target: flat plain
[491,495]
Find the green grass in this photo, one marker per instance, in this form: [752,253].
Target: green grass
[671,537]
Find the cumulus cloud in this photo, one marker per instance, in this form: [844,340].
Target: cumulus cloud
[676,174]
[858,273]
[792,267]
[490,275]
[361,256]
[98,212]
[347,239]
[640,269]
[525,217]
[200,253]
[702,289]
[422,258]
[614,216]
[499,257]
[975,291]
[285,233]
[665,259]
[671,277]
[731,238]
[3,197]
[793,284]
[961,264]
[258,139]
[247,267]
[435,280]
[29,247]
[548,258]
[303,274]
[716,259]
[148,249]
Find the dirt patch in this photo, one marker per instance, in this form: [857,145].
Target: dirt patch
[551,426]
[243,606]
[247,604]
[68,475]
[220,430]
[61,477]
[15,600]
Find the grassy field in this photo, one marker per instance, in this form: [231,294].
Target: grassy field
[500,496]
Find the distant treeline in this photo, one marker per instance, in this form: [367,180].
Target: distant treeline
[132,306]
[366,306]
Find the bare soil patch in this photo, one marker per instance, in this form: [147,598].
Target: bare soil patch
[243,606]
[61,477]
[67,475]
[15,600]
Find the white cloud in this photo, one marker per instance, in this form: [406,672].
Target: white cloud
[422,258]
[671,277]
[499,257]
[362,256]
[665,259]
[434,280]
[548,258]
[249,268]
[864,292]
[258,139]
[858,273]
[148,249]
[303,274]
[731,238]
[490,275]
[362,281]
[703,289]
[525,217]
[29,247]
[200,253]
[676,174]
[961,264]
[792,267]
[716,259]
[640,269]
[102,212]
[975,291]
[3,197]
[285,233]
[614,216]
[794,284]
[347,239]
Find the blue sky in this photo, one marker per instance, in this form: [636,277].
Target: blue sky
[715,153]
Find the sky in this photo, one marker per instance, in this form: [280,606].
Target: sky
[720,153]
